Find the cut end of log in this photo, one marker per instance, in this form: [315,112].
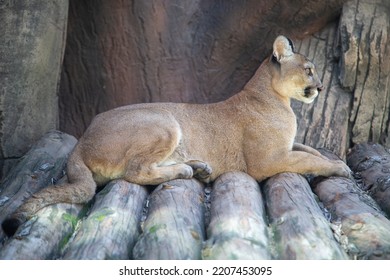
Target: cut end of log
[10,226]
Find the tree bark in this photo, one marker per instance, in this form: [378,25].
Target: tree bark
[112,225]
[365,68]
[299,227]
[40,167]
[371,162]
[325,122]
[32,45]
[174,228]
[238,228]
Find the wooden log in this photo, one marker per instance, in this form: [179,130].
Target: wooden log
[298,225]
[174,228]
[358,223]
[43,164]
[44,235]
[112,225]
[237,229]
[371,164]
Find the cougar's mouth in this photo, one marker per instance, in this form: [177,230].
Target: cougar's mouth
[312,91]
[309,92]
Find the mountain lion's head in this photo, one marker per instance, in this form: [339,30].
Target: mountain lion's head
[294,75]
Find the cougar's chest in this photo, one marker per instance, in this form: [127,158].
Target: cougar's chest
[282,127]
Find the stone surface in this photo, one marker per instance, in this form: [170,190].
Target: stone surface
[32,42]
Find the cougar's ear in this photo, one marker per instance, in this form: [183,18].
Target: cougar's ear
[283,48]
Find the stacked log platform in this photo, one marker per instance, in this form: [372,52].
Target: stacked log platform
[287,216]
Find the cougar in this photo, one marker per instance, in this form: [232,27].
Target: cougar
[148,144]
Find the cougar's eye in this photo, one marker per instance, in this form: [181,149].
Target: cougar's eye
[309,72]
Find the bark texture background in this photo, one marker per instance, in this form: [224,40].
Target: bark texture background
[325,122]
[365,67]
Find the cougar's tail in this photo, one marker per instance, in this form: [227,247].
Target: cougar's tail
[80,189]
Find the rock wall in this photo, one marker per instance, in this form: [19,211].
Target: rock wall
[123,52]
[32,43]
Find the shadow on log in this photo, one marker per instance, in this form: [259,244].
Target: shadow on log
[44,163]
[43,236]
[111,227]
[174,228]
[237,229]
[371,163]
[299,227]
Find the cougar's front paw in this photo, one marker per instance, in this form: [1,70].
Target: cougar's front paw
[202,170]
[342,170]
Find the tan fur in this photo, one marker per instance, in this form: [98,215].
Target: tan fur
[148,144]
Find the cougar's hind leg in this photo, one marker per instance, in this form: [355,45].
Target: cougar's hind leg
[80,189]
[152,174]
[158,160]
[202,170]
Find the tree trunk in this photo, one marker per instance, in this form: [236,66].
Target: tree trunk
[40,167]
[112,225]
[238,229]
[32,44]
[174,228]
[371,162]
[298,224]
[365,67]
[325,122]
